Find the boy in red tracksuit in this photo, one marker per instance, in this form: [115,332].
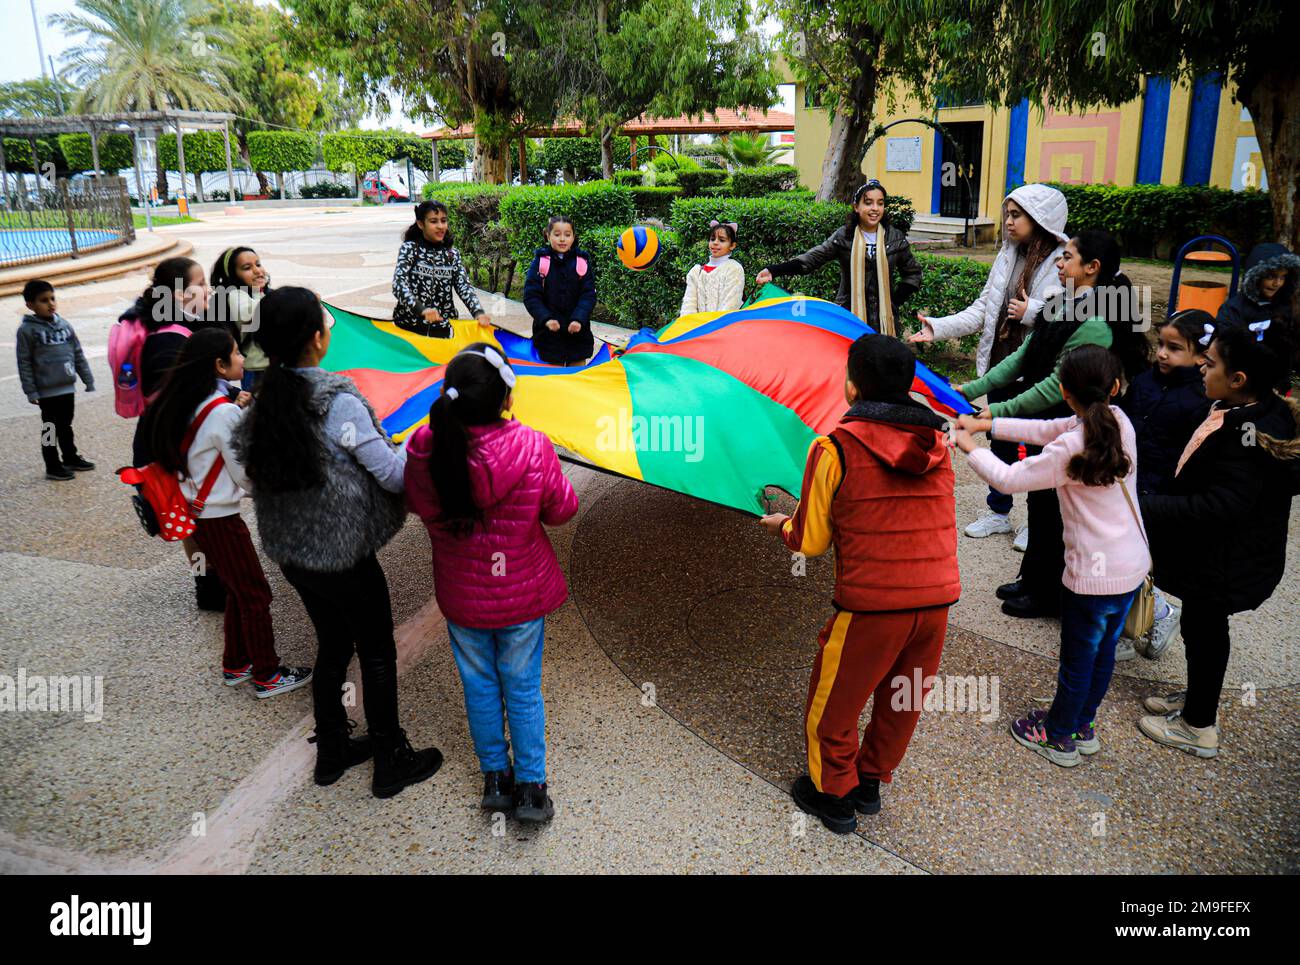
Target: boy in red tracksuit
[880,489]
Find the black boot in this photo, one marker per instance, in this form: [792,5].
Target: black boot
[1013,589]
[499,790]
[398,764]
[837,813]
[866,796]
[209,594]
[337,750]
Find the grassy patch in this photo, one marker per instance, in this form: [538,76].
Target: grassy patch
[160,220]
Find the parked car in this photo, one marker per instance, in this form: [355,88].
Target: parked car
[382,191]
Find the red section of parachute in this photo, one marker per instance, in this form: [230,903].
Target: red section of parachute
[800,382]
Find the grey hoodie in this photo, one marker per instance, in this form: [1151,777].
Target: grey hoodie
[50,358]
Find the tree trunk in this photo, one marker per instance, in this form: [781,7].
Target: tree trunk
[1274,105]
[160,173]
[850,127]
[606,152]
[491,162]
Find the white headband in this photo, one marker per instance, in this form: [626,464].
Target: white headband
[499,363]
[1259,328]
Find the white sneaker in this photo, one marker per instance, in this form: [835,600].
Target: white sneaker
[1125,650]
[1162,633]
[1176,732]
[1021,542]
[988,525]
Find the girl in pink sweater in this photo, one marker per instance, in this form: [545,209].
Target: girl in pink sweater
[485,486]
[1091,461]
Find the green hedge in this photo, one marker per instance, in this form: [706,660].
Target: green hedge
[326,189]
[116,151]
[694,181]
[635,299]
[525,211]
[655,202]
[205,151]
[280,151]
[1156,219]
[629,179]
[18,154]
[769,179]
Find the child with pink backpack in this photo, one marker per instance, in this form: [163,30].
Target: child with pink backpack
[560,293]
[486,487]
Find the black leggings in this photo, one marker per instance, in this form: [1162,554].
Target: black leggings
[1205,637]
[1044,561]
[352,613]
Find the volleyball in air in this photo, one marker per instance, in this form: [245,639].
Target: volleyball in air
[638,247]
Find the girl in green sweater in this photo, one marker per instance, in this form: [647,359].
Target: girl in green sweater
[1097,307]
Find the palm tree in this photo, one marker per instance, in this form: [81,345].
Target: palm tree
[746,150]
[145,55]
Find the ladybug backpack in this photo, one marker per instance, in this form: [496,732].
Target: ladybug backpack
[162,507]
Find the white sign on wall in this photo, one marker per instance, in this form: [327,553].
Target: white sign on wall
[902,154]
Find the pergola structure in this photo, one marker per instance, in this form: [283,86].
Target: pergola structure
[137,123]
[720,122]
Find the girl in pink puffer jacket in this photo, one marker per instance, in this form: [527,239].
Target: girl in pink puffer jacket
[485,488]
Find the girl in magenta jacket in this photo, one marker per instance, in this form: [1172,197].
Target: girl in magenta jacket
[485,487]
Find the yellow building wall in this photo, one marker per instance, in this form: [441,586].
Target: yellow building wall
[1099,146]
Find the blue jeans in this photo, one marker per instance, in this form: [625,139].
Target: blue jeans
[1090,628]
[501,671]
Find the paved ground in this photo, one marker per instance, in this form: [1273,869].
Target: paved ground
[674,680]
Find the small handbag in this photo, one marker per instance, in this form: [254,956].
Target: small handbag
[1142,614]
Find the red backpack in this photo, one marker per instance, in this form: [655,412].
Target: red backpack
[162,507]
[125,346]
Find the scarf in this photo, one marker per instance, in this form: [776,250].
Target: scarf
[858,279]
[1213,422]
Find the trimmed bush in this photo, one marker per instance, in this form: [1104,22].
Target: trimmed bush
[525,211]
[654,202]
[18,154]
[205,151]
[1154,220]
[629,179]
[722,190]
[694,181]
[279,151]
[635,299]
[115,152]
[326,189]
[756,182]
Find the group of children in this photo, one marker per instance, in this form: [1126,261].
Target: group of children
[1131,468]
[559,290]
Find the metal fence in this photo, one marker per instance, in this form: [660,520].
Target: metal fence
[77,216]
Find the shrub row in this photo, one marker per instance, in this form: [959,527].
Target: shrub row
[768,179]
[1154,220]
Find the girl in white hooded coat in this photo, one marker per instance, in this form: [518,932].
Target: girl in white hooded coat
[1022,278]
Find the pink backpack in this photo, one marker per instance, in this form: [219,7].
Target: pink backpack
[125,345]
[544,265]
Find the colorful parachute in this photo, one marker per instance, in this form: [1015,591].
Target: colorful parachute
[716,405]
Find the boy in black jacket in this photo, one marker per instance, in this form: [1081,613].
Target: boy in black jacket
[560,294]
[49,361]
[1219,534]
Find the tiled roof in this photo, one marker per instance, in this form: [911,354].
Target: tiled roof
[721,122]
